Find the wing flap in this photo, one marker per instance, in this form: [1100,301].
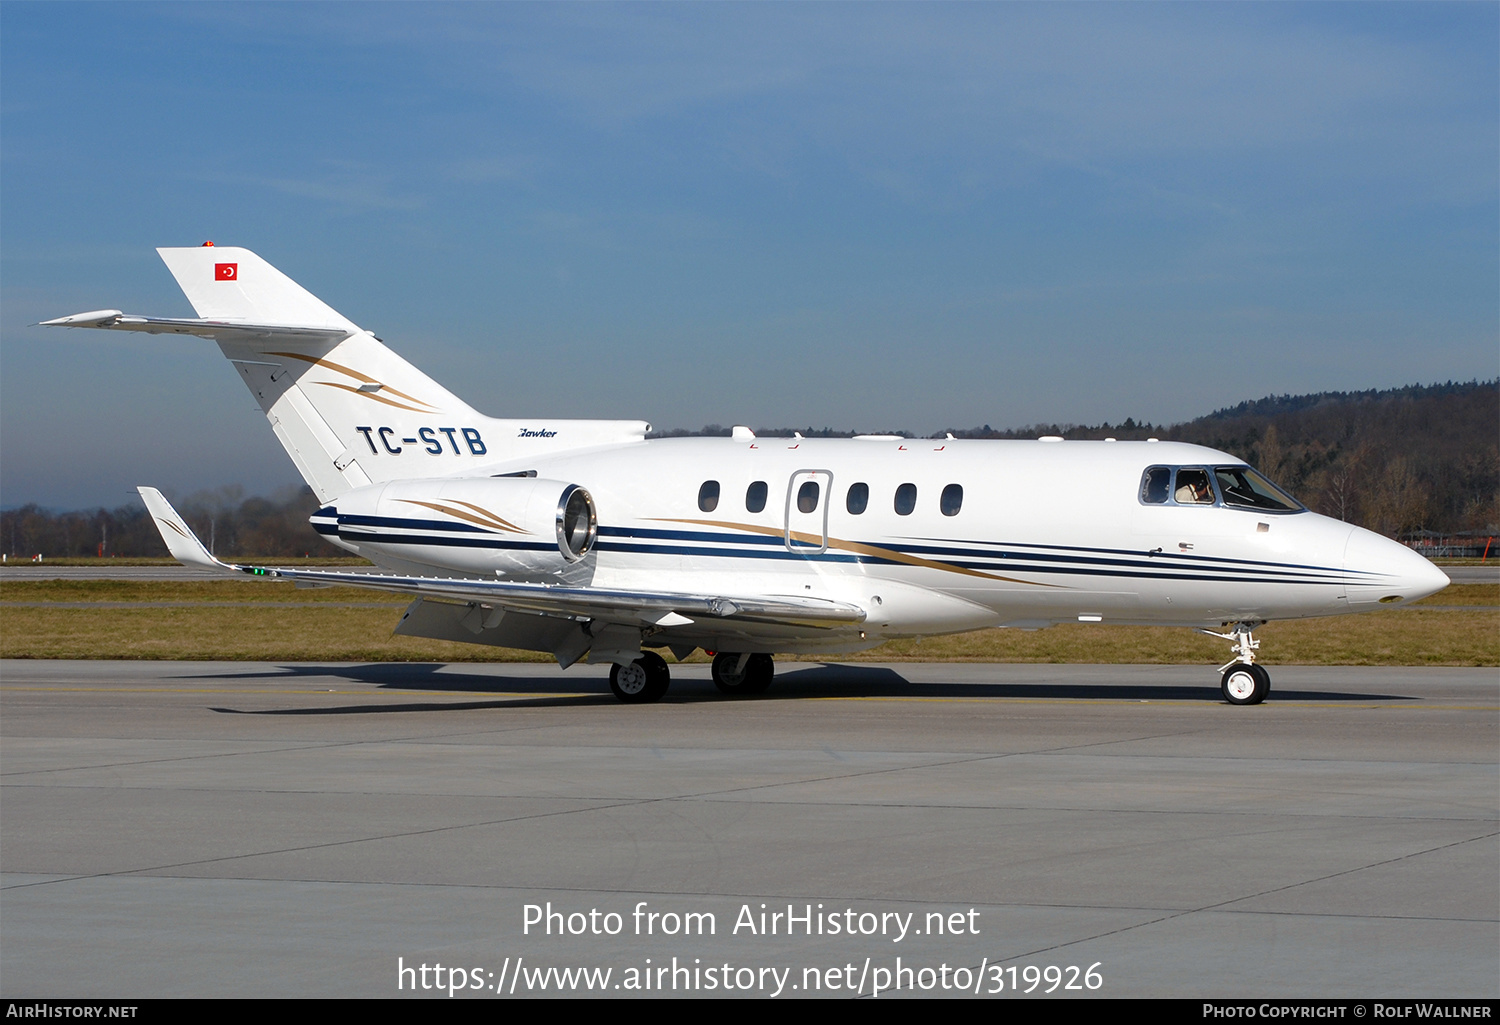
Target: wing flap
[645,608]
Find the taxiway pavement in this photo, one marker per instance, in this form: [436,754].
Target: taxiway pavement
[245,829]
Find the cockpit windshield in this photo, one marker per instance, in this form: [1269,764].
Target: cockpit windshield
[1244,488]
[1236,487]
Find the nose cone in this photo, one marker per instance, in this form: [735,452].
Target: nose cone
[1378,571]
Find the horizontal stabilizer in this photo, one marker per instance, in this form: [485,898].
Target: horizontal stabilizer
[216,329]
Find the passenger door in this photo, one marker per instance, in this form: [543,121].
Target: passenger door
[806,520]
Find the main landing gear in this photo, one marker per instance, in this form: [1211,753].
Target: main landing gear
[644,680]
[647,678]
[1243,682]
[738,674]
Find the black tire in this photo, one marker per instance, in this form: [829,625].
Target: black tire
[643,681]
[730,683]
[660,676]
[1245,684]
[753,679]
[759,672]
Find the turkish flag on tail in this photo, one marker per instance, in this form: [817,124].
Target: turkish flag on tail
[226,271]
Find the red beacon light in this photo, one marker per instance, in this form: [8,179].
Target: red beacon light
[206,244]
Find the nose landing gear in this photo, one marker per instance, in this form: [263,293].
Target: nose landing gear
[1243,682]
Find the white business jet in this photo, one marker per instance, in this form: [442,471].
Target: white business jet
[583,539]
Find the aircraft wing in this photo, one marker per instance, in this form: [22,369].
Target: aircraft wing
[644,608]
[217,329]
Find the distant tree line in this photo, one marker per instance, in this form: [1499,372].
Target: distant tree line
[1398,461]
[228,523]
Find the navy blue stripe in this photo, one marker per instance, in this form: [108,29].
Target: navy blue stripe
[739,553]
[1065,564]
[1121,551]
[691,535]
[1188,561]
[409,524]
[1217,576]
[495,543]
[447,542]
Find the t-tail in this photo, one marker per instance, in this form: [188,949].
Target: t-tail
[348,410]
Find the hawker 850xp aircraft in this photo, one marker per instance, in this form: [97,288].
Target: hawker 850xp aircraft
[583,539]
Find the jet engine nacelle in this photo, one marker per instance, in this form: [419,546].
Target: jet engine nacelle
[517,526]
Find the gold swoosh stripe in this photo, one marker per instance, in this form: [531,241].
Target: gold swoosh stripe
[354,374]
[814,540]
[485,512]
[371,395]
[490,520]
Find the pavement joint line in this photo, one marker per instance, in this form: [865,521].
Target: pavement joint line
[1222,906]
[909,805]
[495,822]
[309,746]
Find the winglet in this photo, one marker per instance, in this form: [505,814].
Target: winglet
[181,541]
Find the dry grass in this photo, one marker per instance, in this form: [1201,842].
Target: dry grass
[1465,594]
[270,629]
[230,589]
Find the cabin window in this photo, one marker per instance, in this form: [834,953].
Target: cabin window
[1243,488]
[708,496]
[1193,487]
[807,497]
[755,496]
[952,499]
[1156,485]
[906,499]
[858,499]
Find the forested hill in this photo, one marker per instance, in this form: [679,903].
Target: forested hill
[1398,461]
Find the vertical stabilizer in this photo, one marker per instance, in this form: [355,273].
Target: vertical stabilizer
[234,284]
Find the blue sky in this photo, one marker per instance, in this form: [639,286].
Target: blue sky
[861,216]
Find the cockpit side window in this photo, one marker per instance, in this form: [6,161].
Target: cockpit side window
[1156,485]
[1242,487]
[1193,487]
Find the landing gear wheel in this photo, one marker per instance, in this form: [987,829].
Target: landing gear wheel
[644,680]
[736,682]
[1246,684]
